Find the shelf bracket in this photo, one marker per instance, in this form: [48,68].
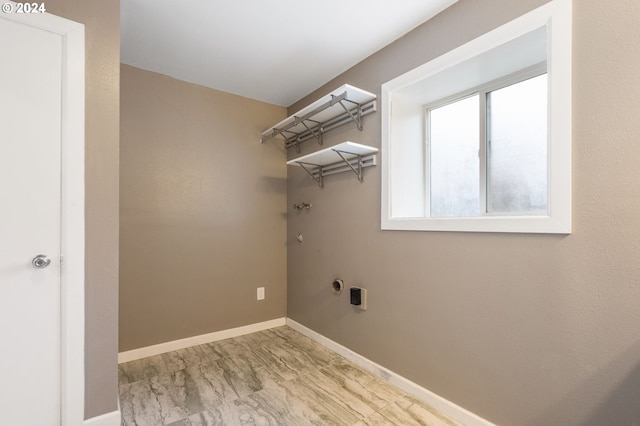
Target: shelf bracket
[357,171]
[357,117]
[281,132]
[318,134]
[319,179]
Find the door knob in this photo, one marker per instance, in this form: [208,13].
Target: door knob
[41,261]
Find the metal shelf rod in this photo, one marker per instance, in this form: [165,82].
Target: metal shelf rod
[355,164]
[343,118]
[298,120]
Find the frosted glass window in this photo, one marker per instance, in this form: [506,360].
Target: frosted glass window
[454,169]
[517,148]
[488,151]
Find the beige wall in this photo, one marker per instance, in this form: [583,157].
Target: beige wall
[520,329]
[102,35]
[202,211]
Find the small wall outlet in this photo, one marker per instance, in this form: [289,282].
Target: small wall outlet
[358,297]
[260,293]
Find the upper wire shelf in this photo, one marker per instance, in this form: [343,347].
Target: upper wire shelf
[345,104]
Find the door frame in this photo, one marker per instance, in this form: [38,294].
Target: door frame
[72,229]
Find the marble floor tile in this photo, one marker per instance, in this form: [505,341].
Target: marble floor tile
[273,377]
[354,388]
[231,347]
[241,351]
[290,358]
[150,403]
[260,408]
[141,369]
[209,382]
[408,412]
[188,357]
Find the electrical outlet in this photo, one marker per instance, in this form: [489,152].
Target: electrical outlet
[358,297]
[260,293]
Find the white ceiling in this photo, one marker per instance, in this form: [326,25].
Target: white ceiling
[275,51]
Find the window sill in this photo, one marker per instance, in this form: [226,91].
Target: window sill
[513,224]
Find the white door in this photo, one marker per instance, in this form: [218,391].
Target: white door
[30,179]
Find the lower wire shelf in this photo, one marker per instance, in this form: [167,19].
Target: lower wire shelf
[337,159]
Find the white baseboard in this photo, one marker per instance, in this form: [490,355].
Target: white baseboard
[439,403]
[110,419]
[197,340]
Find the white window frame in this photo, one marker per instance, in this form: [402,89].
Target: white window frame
[402,205]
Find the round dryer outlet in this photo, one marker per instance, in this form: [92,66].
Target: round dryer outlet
[337,286]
